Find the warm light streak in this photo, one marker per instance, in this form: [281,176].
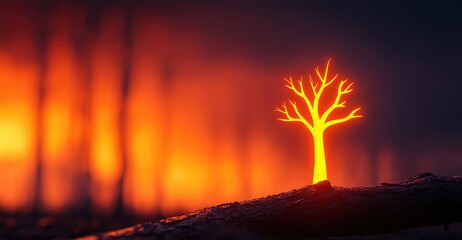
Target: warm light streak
[62,120]
[319,120]
[188,172]
[13,140]
[17,132]
[144,129]
[105,164]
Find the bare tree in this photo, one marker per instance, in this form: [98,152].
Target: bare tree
[319,121]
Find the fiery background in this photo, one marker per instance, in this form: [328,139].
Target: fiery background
[151,107]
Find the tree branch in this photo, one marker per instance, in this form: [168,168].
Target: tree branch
[319,210]
[340,120]
[300,93]
[340,92]
[289,118]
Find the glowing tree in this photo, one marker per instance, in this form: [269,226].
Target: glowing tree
[319,121]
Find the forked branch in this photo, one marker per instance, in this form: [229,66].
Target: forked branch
[319,121]
[344,119]
[341,90]
[289,118]
[300,92]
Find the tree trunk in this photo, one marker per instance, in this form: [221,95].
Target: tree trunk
[318,211]
[320,170]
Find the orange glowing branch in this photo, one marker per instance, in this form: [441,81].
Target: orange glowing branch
[319,122]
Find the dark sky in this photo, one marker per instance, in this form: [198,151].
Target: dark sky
[406,53]
[409,52]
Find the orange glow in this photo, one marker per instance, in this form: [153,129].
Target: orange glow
[19,74]
[14,138]
[188,171]
[62,123]
[130,109]
[263,176]
[144,120]
[105,143]
[17,132]
[319,120]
